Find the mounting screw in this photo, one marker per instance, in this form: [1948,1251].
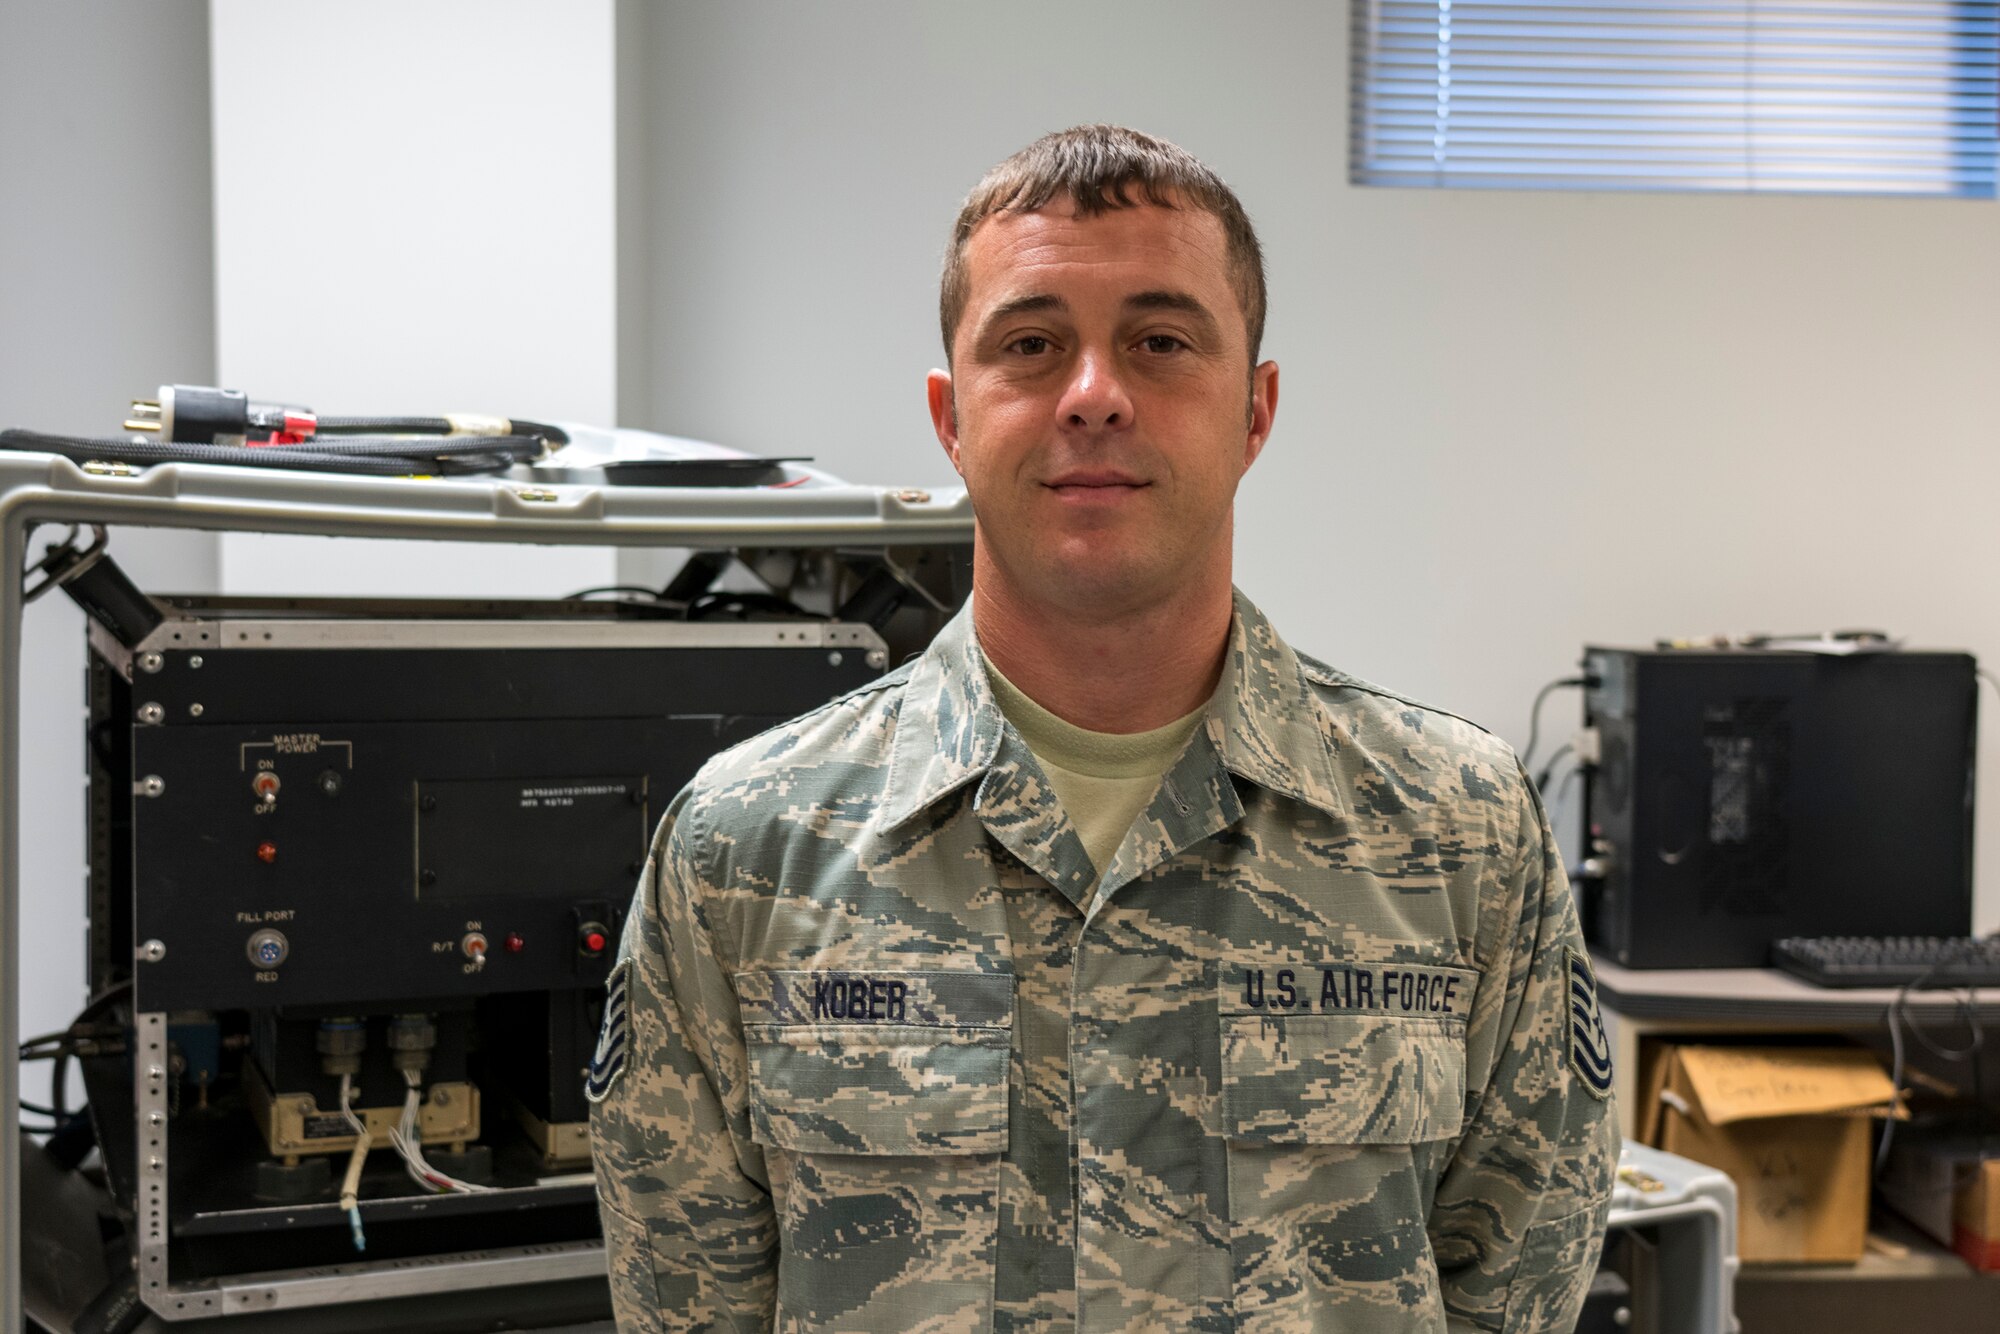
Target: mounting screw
[878,658]
[151,712]
[151,662]
[152,785]
[427,803]
[441,1098]
[152,951]
[834,658]
[156,1118]
[196,710]
[195,662]
[914,496]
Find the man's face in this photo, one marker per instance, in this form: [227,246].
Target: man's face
[1102,406]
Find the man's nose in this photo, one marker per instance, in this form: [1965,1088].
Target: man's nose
[1095,398]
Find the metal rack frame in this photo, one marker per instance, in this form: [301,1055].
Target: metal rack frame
[46,489]
[1691,1211]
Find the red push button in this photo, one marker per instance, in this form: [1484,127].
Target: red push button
[592,939]
[516,942]
[267,852]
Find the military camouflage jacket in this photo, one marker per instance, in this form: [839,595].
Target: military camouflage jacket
[1323,1055]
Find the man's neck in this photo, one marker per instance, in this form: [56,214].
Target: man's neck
[1128,671]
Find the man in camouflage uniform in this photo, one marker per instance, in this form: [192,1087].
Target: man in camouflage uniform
[1309,1042]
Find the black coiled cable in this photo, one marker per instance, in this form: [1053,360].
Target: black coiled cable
[555,436]
[369,455]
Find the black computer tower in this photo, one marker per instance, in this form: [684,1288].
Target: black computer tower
[1743,796]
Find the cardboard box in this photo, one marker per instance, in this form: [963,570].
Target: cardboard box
[1975,1219]
[1790,1125]
[1944,1186]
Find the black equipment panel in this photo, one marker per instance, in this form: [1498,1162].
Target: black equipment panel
[368,826]
[1745,796]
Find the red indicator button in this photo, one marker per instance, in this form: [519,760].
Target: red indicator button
[594,941]
[267,853]
[516,942]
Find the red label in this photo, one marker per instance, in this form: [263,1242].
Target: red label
[1982,1253]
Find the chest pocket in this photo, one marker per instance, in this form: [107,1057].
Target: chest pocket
[1342,1078]
[881,1098]
[1325,1115]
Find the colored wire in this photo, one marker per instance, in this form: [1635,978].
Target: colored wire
[407,1137]
[350,1185]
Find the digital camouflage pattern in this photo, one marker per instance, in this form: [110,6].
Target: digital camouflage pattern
[1304,1064]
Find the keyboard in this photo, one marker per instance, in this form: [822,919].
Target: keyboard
[1891,961]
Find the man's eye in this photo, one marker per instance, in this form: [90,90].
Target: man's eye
[1033,345]
[1162,343]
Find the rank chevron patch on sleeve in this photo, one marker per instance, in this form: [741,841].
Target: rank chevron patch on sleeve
[1589,1046]
[608,1061]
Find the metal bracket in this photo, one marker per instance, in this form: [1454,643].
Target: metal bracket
[64,560]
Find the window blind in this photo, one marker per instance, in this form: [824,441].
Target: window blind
[1844,96]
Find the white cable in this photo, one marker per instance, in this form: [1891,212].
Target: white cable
[408,1139]
[350,1185]
[406,1134]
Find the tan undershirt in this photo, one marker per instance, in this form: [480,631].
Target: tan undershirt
[1101,779]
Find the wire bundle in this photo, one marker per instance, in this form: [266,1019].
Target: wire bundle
[367,455]
[81,1038]
[407,1138]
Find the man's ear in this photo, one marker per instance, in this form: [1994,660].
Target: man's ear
[944,414]
[1263,410]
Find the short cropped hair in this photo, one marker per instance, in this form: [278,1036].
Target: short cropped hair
[1099,168]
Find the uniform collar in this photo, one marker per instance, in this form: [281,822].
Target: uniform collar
[1265,724]
[949,727]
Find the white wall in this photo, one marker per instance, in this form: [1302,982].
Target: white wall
[1510,422]
[415,214]
[105,291]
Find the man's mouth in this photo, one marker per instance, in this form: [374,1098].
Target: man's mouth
[1103,482]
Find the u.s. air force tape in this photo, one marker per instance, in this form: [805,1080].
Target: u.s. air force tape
[1589,1046]
[608,1061]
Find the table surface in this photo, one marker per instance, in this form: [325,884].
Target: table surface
[1764,996]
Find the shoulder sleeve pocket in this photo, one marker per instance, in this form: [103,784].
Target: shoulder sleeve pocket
[1342,1078]
[1553,1276]
[641,1285]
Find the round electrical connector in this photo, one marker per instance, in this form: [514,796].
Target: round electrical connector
[268,948]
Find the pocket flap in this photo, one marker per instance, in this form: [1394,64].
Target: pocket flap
[1342,1078]
[900,1063]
